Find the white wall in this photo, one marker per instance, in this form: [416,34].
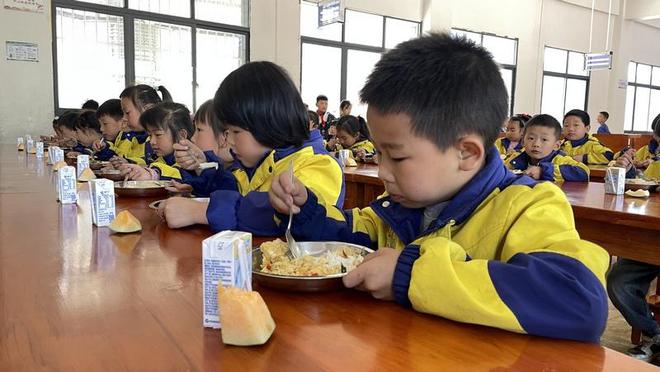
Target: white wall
[26,88]
[26,97]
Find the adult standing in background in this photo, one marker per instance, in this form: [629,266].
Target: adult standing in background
[325,118]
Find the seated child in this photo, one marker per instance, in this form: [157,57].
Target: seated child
[353,134]
[135,100]
[88,131]
[66,124]
[313,118]
[542,159]
[579,144]
[628,159]
[651,152]
[166,123]
[513,141]
[458,235]
[116,139]
[602,123]
[268,132]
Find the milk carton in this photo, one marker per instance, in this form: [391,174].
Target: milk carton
[226,259]
[66,185]
[20,143]
[102,200]
[615,180]
[29,146]
[40,150]
[82,163]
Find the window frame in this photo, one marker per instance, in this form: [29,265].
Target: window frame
[566,76]
[129,16]
[345,46]
[636,85]
[512,68]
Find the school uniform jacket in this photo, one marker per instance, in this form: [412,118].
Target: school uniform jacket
[167,168]
[503,143]
[246,207]
[649,151]
[503,253]
[592,151]
[653,170]
[366,145]
[554,167]
[141,151]
[121,146]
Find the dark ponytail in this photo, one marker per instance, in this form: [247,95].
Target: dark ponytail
[143,95]
[355,126]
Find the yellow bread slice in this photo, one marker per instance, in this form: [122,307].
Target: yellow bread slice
[21,147]
[244,317]
[86,175]
[33,150]
[58,165]
[125,222]
[638,193]
[350,162]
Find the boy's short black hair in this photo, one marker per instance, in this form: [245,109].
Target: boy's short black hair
[313,117]
[206,113]
[655,125]
[168,116]
[261,98]
[580,114]
[547,121]
[87,121]
[68,119]
[90,104]
[447,85]
[111,108]
[605,114]
[344,104]
[321,97]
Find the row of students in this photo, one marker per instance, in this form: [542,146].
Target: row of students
[457,235]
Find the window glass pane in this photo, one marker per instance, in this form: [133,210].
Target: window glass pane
[554,60]
[359,66]
[90,56]
[576,91]
[218,54]
[309,24]
[397,31]
[232,12]
[643,74]
[163,57]
[552,97]
[656,76]
[642,108]
[576,64]
[321,74]
[630,99]
[507,76]
[654,108]
[632,66]
[468,35]
[502,49]
[172,7]
[119,3]
[363,28]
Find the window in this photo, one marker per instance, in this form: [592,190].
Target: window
[565,82]
[504,51]
[642,97]
[188,46]
[338,58]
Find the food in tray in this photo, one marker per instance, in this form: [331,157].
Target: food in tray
[641,182]
[142,184]
[86,175]
[125,222]
[244,317]
[333,261]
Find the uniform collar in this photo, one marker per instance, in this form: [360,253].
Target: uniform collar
[141,137]
[581,141]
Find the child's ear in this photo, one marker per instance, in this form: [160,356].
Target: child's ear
[557,144]
[471,152]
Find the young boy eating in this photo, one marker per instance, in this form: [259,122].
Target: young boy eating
[579,144]
[458,235]
[542,159]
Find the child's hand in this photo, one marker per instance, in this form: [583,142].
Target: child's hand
[137,172]
[180,212]
[534,172]
[179,187]
[375,274]
[98,145]
[360,154]
[332,144]
[188,155]
[118,161]
[625,161]
[284,195]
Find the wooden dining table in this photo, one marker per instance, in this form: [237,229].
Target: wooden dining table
[74,297]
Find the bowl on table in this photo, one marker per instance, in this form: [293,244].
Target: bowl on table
[641,184]
[142,189]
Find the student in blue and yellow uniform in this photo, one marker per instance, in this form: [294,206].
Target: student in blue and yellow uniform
[650,168]
[513,140]
[268,130]
[458,235]
[88,131]
[166,123]
[651,152]
[542,159]
[135,100]
[66,124]
[353,134]
[579,144]
[116,140]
